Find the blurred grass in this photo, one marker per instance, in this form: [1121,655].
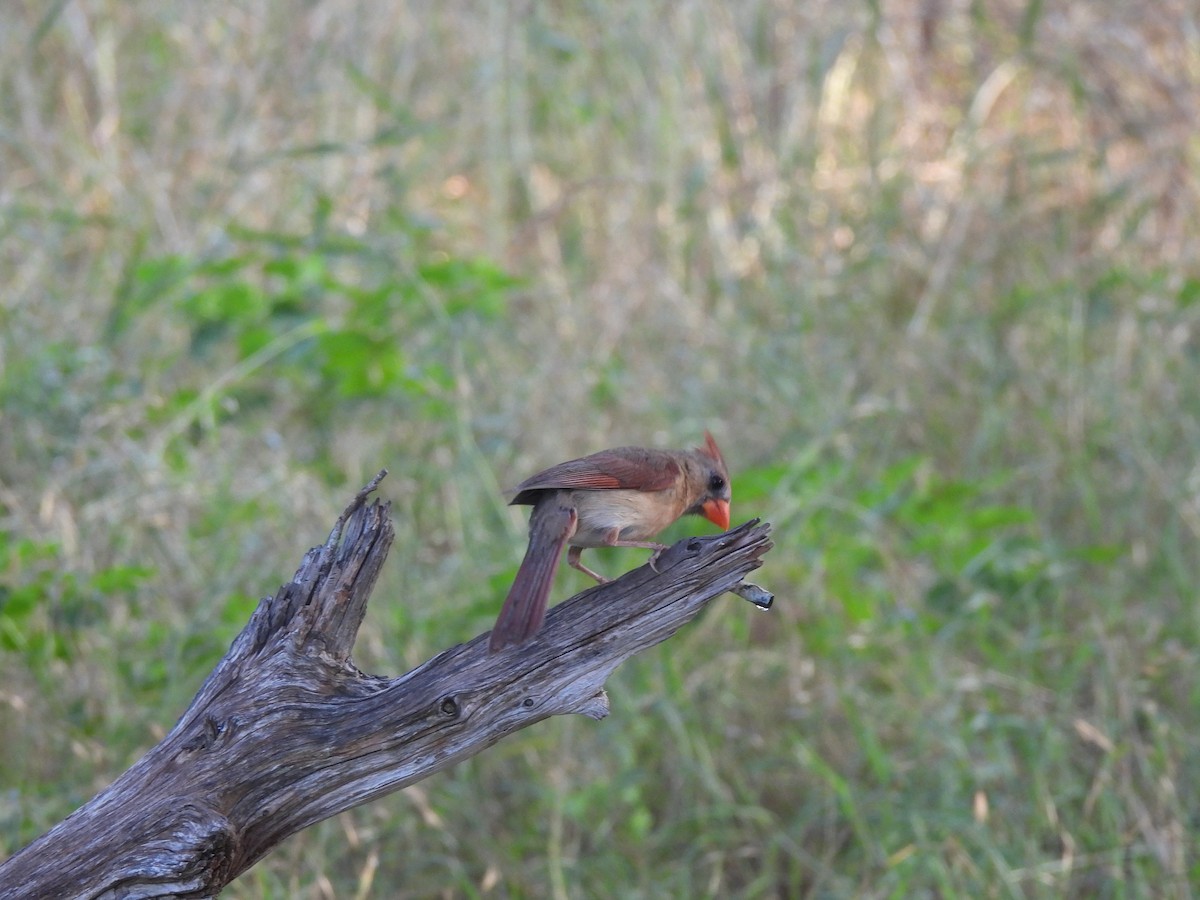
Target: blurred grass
[927,269]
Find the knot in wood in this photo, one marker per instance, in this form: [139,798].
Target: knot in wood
[210,729]
[449,707]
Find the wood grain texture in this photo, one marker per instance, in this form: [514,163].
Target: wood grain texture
[286,731]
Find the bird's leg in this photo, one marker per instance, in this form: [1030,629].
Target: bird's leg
[645,545]
[614,541]
[574,563]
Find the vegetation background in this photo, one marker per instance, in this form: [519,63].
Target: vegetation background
[927,268]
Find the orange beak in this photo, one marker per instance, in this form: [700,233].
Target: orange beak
[717,512]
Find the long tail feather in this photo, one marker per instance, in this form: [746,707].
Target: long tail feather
[550,527]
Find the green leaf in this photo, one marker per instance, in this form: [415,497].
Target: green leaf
[118,579]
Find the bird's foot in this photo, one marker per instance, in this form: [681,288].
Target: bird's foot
[658,551]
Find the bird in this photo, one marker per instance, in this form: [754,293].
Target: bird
[621,497]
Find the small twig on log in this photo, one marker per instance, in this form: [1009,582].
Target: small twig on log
[286,731]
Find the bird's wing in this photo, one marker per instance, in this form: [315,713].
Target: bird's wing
[605,471]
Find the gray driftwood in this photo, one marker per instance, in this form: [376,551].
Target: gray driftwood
[286,731]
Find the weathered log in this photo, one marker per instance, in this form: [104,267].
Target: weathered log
[286,731]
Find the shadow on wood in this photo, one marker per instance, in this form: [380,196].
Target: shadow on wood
[286,731]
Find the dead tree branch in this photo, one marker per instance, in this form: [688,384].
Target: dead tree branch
[286,731]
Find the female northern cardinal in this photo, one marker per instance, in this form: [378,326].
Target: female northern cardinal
[614,498]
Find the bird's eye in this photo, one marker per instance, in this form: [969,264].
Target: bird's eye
[715,482]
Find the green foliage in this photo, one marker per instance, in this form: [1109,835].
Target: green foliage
[326,320]
[44,606]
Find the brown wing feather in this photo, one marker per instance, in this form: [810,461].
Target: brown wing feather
[631,469]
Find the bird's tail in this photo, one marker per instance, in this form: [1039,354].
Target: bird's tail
[550,527]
